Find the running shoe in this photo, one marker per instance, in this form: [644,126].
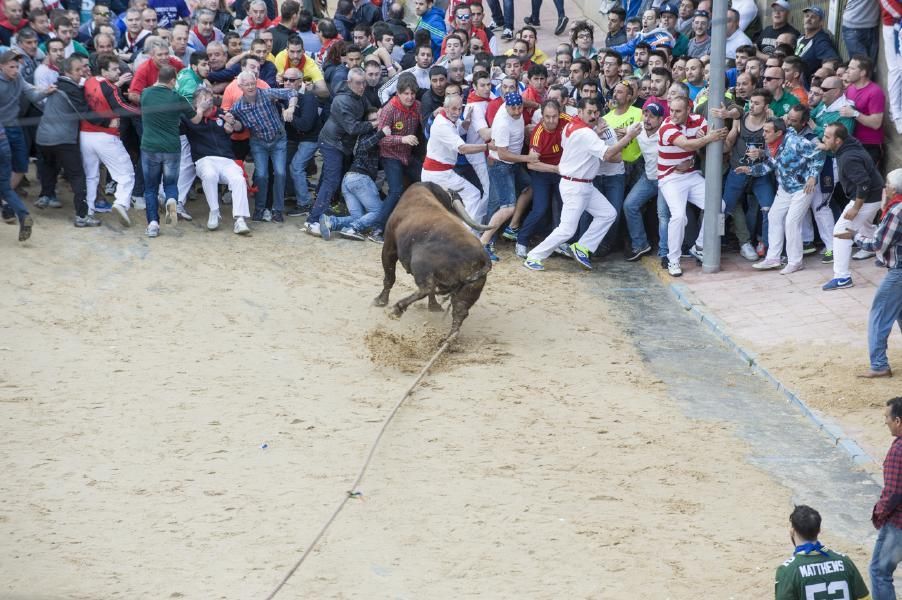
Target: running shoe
[533,264]
[838,283]
[581,255]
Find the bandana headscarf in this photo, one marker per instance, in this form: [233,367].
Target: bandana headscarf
[513,99]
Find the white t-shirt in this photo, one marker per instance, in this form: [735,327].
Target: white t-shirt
[648,144]
[610,168]
[507,133]
[583,152]
[477,122]
[443,141]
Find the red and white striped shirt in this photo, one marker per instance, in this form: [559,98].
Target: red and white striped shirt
[671,155]
[890,11]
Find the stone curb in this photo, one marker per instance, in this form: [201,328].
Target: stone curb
[826,425]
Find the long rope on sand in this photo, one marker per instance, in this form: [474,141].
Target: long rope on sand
[354,492]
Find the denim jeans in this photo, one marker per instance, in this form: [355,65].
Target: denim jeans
[861,41]
[663,222]
[887,554]
[302,157]
[497,15]
[265,153]
[362,199]
[764,188]
[537,8]
[886,310]
[509,14]
[6,191]
[329,180]
[159,166]
[544,188]
[644,190]
[507,181]
[395,171]
[614,189]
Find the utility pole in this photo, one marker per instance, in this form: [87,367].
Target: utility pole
[713,222]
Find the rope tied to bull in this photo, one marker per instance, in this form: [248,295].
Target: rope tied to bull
[354,492]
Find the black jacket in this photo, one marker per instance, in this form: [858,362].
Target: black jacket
[858,174]
[345,121]
[209,137]
[307,121]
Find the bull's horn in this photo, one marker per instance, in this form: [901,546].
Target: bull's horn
[458,205]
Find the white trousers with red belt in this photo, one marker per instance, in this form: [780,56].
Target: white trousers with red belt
[578,197]
[451,181]
[98,147]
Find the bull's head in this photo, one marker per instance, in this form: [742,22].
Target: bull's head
[451,200]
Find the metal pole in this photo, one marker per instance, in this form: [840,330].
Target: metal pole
[713,222]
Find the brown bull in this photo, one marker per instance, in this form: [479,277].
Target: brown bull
[433,245]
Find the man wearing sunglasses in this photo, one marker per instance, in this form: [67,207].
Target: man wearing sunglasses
[773,80]
[827,111]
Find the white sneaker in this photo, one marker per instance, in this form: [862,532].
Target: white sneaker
[767,264]
[121,213]
[241,227]
[213,220]
[138,202]
[172,212]
[792,268]
[153,229]
[520,250]
[267,215]
[183,212]
[748,252]
[312,229]
[863,255]
[674,269]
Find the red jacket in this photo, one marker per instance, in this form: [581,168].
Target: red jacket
[103,98]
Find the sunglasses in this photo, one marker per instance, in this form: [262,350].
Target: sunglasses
[102,13]
[827,89]
[462,17]
[290,80]
[772,78]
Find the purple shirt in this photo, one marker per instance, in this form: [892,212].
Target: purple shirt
[868,100]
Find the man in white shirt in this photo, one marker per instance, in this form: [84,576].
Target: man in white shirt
[735,36]
[646,187]
[506,171]
[443,148]
[583,151]
[479,132]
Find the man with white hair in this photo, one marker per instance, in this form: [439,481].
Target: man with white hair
[203,31]
[255,22]
[443,148]
[886,308]
[208,133]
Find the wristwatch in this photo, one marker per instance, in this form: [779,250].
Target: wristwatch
[857,113]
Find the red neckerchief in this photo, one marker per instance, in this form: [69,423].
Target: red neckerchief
[397,104]
[202,39]
[896,199]
[325,48]
[574,125]
[129,41]
[266,24]
[474,97]
[14,28]
[774,147]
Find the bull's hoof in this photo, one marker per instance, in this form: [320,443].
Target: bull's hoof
[380,300]
[435,307]
[395,312]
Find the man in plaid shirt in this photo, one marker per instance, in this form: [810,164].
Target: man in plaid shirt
[262,116]
[887,514]
[886,309]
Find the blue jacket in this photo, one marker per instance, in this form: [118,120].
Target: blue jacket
[433,22]
[797,159]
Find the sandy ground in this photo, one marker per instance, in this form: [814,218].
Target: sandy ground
[140,378]
[826,379]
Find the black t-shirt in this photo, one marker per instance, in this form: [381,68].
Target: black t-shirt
[766,40]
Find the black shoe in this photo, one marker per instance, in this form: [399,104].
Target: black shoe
[664,262]
[561,25]
[25,228]
[636,255]
[530,21]
[258,215]
[8,215]
[297,212]
[277,216]
[808,248]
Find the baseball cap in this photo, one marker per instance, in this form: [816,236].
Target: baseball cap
[816,10]
[667,7]
[784,4]
[9,56]
[654,108]
[702,13]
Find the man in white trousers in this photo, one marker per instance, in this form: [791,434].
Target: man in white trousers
[103,144]
[862,182]
[681,135]
[443,148]
[209,134]
[479,132]
[797,163]
[582,154]
[891,16]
